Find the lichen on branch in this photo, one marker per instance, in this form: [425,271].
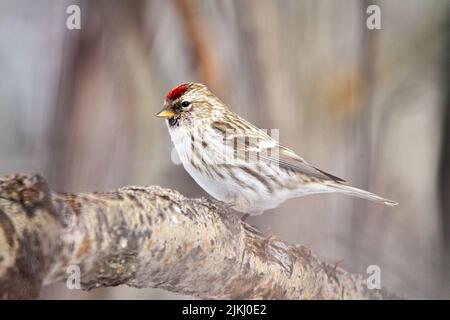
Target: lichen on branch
[153,237]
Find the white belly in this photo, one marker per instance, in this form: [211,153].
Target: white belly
[218,189]
[253,199]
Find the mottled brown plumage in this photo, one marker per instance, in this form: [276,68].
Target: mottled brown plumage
[236,162]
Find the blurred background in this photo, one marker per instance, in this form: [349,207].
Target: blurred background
[371,106]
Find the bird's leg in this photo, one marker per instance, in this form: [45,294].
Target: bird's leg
[218,203]
[255,213]
[229,207]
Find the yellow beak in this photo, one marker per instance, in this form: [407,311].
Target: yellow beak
[166,113]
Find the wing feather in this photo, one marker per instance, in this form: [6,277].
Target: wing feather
[261,146]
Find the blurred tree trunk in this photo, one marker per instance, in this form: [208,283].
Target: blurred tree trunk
[92,127]
[204,54]
[444,168]
[90,136]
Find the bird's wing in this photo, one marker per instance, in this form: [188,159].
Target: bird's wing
[290,161]
[254,144]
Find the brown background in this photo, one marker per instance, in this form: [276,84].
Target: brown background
[370,106]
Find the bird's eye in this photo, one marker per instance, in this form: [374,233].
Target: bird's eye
[185,104]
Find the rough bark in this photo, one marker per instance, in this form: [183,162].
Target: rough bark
[152,237]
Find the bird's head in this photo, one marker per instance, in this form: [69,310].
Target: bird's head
[188,103]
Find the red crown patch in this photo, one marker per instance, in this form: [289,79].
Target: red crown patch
[177,92]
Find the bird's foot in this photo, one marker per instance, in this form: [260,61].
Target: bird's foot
[218,203]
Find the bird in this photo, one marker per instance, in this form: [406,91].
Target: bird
[236,162]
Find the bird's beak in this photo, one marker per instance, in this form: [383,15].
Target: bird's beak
[166,113]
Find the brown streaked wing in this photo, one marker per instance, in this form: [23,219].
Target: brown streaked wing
[258,142]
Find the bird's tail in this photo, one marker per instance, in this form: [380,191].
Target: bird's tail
[355,192]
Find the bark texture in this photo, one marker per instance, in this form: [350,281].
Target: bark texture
[152,237]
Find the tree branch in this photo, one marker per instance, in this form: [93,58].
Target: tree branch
[152,237]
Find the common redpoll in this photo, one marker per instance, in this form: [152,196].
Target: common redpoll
[237,163]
